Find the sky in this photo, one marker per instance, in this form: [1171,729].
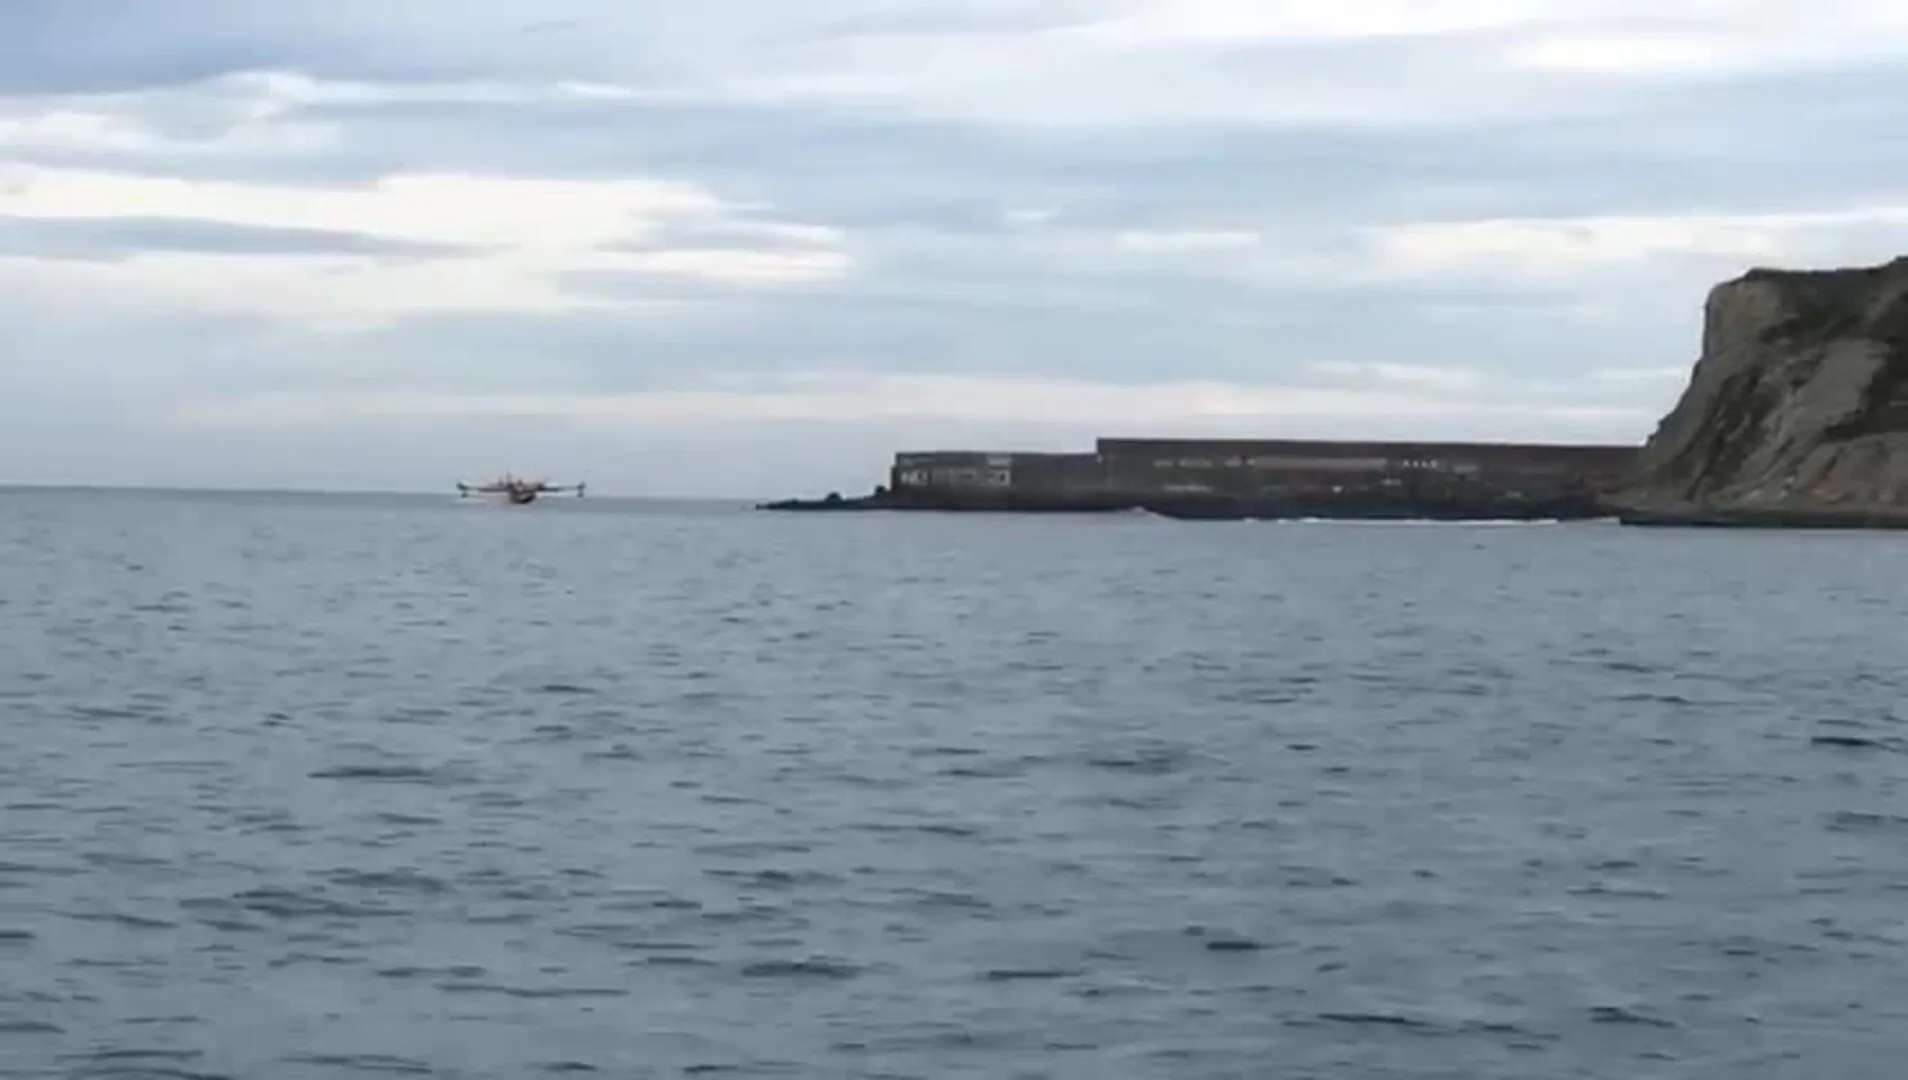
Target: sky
[751,248]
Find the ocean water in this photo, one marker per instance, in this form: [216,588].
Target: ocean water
[331,787]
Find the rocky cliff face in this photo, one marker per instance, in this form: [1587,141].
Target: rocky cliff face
[1800,398]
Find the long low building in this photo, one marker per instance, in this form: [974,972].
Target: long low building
[1252,466]
[1018,470]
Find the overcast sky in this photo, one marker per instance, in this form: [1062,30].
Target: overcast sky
[750,247]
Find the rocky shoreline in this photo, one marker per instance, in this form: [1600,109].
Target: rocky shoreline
[1377,507]
[961,501]
[1765,517]
[1191,506]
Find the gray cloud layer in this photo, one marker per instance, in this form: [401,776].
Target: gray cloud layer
[118,237]
[995,191]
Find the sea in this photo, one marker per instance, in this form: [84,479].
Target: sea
[309,787]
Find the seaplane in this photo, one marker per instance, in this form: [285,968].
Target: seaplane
[517,490]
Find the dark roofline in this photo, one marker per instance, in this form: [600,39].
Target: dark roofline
[952,455]
[1320,447]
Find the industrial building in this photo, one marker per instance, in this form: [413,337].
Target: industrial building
[976,469]
[1270,466]
[1254,467]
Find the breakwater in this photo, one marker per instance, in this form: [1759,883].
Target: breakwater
[1192,506]
[1765,517]
[964,500]
[1379,507]
[1234,480]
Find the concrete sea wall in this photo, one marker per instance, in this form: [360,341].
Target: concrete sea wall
[1219,479]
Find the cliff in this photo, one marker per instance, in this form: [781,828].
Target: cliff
[1797,406]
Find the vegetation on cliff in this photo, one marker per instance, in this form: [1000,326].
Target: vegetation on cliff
[1798,402]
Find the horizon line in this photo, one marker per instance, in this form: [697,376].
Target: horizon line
[54,487]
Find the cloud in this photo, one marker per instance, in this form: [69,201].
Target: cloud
[107,238]
[790,235]
[1625,376]
[860,397]
[1719,38]
[1570,246]
[423,206]
[1150,240]
[471,243]
[1150,24]
[1439,379]
[1623,54]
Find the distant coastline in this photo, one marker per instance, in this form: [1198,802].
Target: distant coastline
[1795,416]
[1257,479]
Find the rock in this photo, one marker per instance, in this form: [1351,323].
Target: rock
[1798,404]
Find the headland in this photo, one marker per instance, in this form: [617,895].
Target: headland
[1796,414]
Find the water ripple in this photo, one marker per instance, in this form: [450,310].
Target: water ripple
[330,788]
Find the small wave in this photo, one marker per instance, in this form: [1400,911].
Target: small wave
[1025,974]
[1229,944]
[533,992]
[389,881]
[115,1056]
[454,971]
[773,878]
[135,922]
[289,904]
[811,968]
[1853,742]
[1395,1020]
[1616,1014]
[371,1063]
[399,773]
[1852,821]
